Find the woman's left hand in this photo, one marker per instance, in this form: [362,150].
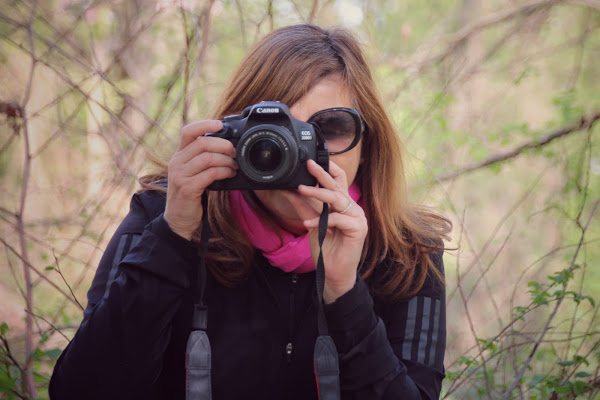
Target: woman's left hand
[346,229]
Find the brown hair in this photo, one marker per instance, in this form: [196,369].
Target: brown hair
[284,66]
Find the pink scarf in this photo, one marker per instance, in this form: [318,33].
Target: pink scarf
[291,253]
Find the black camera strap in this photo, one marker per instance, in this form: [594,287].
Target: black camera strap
[325,357]
[197,354]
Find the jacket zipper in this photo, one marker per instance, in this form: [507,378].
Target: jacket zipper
[289,347]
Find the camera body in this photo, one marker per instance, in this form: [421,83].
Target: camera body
[272,149]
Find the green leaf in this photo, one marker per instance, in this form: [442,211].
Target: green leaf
[535,380]
[49,268]
[495,168]
[565,388]
[580,387]
[38,355]
[4,328]
[527,71]
[582,374]
[581,360]
[565,363]
[541,299]
[6,382]
[54,353]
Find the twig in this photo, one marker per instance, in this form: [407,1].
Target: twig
[468,314]
[572,81]
[582,123]
[313,12]
[14,274]
[204,38]
[29,266]
[553,314]
[186,68]
[76,86]
[54,328]
[9,354]
[424,57]
[65,281]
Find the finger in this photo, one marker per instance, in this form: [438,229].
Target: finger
[337,172]
[325,179]
[199,128]
[337,198]
[206,145]
[303,209]
[351,226]
[208,160]
[195,185]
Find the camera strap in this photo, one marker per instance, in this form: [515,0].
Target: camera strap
[325,358]
[327,371]
[197,354]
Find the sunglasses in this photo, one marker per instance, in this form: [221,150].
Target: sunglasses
[340,127]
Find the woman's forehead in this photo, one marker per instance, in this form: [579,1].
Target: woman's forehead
[329,92]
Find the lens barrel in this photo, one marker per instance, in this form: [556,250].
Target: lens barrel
[267,154]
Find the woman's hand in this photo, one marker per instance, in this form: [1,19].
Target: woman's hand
[198,162]
[346,229]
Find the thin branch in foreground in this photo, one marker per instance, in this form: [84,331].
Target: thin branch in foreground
[65,281]
[54,328]
[40,274]
[581,124]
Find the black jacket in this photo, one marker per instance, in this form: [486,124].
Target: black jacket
[131,343]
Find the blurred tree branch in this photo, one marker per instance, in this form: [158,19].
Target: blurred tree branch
[536,143]
[588,3]
[426,56]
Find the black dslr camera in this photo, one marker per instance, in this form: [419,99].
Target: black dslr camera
[272,149]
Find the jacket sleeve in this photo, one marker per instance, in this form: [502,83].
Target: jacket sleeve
[390,351]
[117,351]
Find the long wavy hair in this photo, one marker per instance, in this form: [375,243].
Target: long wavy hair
[284,66]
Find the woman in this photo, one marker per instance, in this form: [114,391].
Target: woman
[383,292]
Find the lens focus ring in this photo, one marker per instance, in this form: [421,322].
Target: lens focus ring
[267,154]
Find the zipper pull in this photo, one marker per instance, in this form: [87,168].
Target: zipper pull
[294,278]
[288,352]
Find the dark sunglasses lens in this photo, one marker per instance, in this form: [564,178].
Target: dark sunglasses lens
[339,128]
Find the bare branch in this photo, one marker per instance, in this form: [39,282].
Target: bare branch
[54,328]
[468,314]
[43,276]
[426,57]
[65,281]
[28,383]
[313,12]
[581,124]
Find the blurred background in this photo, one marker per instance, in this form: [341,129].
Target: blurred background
[497,102]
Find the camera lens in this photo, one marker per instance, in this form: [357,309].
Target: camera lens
[265,155]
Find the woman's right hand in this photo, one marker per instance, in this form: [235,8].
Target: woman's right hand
[198,162]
